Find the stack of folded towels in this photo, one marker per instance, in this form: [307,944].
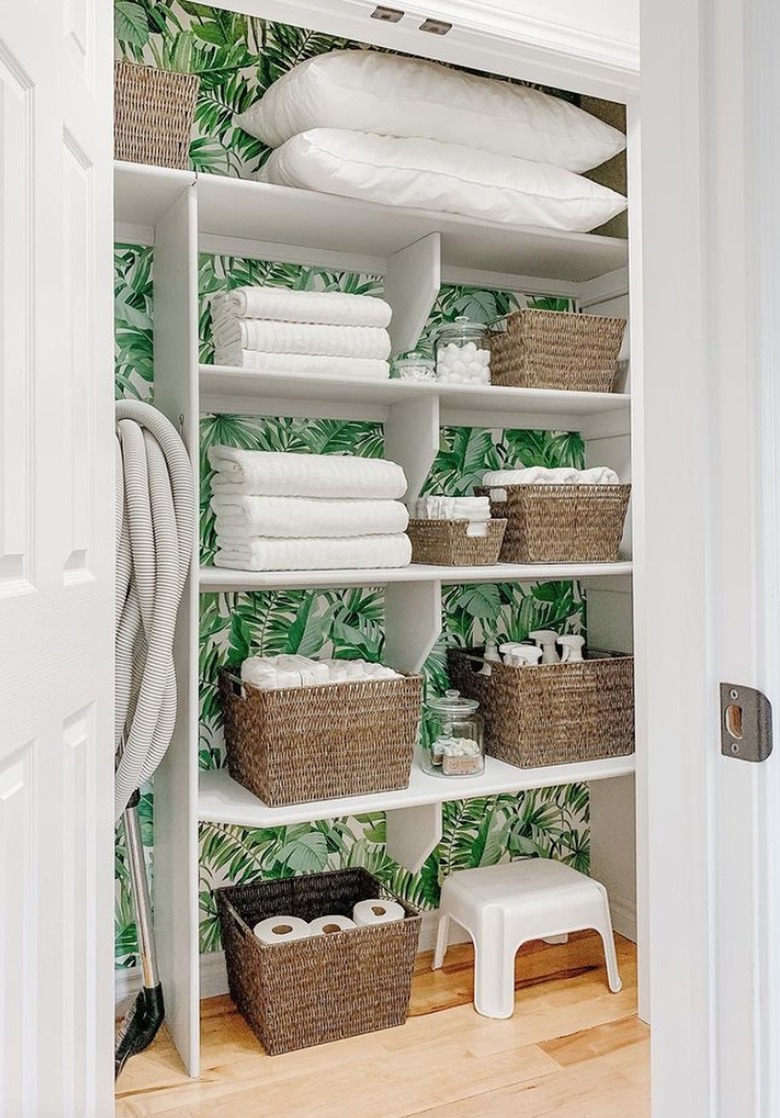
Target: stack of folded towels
[303,512]
[273,329]
[561,475]
[271,673]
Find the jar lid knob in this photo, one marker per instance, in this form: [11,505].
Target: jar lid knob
[452,694]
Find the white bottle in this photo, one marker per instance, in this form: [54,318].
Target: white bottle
[571,649]
[491,654]
[546,639]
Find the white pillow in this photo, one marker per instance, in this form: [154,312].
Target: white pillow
[423,174]
[366,91]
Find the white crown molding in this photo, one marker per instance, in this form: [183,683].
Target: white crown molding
[551,51]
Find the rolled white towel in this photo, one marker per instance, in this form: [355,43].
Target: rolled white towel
[291,517]
[354,368]
[280,474]
[302,337]
[453,508]
[271,673]
[540,475]
[352,553]
[280,304]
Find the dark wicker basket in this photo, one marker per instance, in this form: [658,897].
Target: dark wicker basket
[153,112]
[320,743]
[310,991]
[447,543]
[552,714]
[561,523]
[556,349]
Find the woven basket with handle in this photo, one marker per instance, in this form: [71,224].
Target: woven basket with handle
[561,523]
[448,543]
[299,744]
[309,991]
[552,714]
[153,112]
[555,349]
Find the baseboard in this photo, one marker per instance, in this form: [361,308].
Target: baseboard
[213,976]
[623,917]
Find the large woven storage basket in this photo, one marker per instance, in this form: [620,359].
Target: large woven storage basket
[561,523]
[153,112]
[552,714]
[448,543]
[320,743]
[309,991]
[556,349]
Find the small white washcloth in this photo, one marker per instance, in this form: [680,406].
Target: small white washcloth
[271,673]
[280,304]
[351,553]
[280,474]
[452,508]
[243,517]
[301,337]
[540,475]
[356,368]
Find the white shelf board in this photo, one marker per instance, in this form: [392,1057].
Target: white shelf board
[247,210]
[246,386]
[143,194]
[221,579]
[221,800]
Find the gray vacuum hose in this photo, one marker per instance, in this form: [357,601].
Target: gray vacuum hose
[155,525]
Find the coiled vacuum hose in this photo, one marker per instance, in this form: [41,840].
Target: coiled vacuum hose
[155,524]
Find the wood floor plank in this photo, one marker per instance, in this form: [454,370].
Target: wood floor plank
[568,1039]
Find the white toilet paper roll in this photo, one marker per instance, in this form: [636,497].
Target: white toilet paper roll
[282,929]
[377,911]
[327,925]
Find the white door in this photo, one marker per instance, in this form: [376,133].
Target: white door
[711,245]
[56,561]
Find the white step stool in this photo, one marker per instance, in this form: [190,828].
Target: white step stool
[502,907]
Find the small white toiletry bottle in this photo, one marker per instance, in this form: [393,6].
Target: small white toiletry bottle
[546,639]
[491,655]
[571,649]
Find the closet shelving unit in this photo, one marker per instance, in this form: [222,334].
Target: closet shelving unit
[183,214]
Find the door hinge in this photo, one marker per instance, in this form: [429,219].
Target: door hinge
[745,723]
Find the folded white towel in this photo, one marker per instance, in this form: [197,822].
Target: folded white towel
[271,673]
[301,337]
[353,367]
[243,517]
[279,304]
[452,508]
[540,475]
[279,474]
[352,553]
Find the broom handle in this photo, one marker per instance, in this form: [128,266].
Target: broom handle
[143,908]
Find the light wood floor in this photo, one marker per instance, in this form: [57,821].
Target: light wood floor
[572,1050]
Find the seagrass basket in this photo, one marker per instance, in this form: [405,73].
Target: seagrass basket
[153,112]
[555,349]
[310,991]
[552,714]
[448,543]
[560,523]
[299,744]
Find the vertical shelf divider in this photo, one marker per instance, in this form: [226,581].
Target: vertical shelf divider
[412,282]
[176,780]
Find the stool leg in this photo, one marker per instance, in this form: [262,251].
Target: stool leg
[494,981]
[442,935]
[604,928]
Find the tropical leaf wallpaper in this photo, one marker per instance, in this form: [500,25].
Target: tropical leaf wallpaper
[237,57]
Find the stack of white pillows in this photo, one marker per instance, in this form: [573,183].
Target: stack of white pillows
[405,132]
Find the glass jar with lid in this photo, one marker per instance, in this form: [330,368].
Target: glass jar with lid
[462,352]
[453,736]
[414,365]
